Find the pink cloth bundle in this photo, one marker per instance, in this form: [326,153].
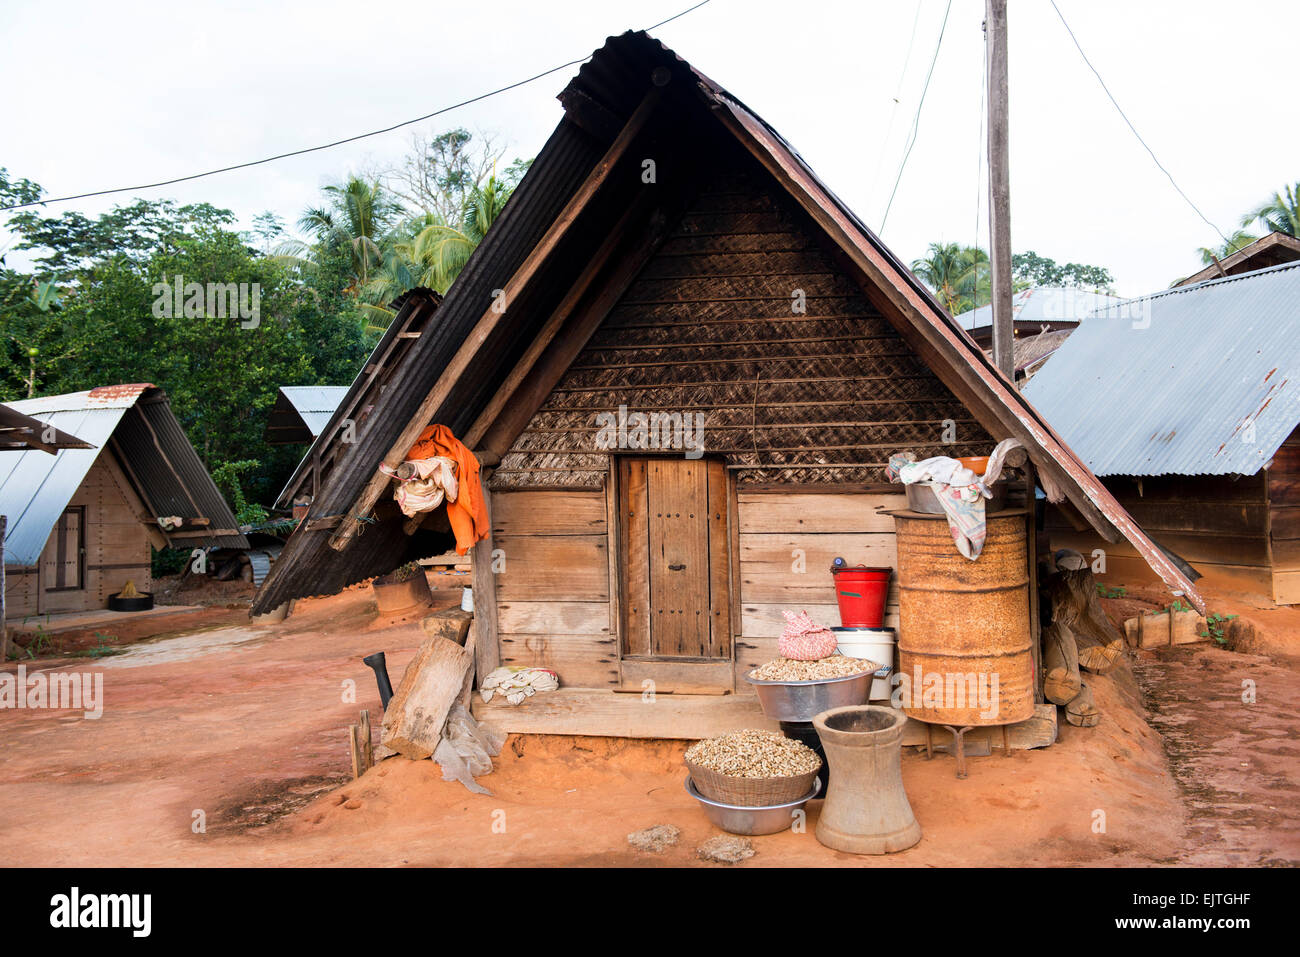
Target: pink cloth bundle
[804,639]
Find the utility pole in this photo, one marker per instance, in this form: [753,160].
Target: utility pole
[995,26]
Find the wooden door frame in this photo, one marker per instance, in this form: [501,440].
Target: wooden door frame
[81,548]
[686,675]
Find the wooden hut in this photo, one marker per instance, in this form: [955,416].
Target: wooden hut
[1187,404]
[684,364]
[81,521]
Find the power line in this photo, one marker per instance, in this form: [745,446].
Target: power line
[1124,116]
[916,122]
[326,146]
[898,95]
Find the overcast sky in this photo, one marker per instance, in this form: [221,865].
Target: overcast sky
[100,95]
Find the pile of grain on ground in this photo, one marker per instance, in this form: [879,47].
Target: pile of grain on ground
[722,849]
[654,839]
[823,669]
[754,754]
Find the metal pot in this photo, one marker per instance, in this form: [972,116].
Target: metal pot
[751,820]
[921,498]
[804,700]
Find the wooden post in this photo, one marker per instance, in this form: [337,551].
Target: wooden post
[999,190]
[487,649]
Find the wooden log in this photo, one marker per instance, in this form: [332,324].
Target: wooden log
[450,623]
[415,716]
[1073,593]
[1061,682]
[1082,712]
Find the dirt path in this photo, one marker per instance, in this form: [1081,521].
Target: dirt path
[244,727]
[1230,724]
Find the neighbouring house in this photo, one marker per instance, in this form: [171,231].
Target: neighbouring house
[81,521]
[684,364]
[1042,317]
[353,404]
[301,412]
[1187,406]
[1274,249]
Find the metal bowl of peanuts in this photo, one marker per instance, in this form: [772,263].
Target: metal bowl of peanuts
[800,690]
[751,820]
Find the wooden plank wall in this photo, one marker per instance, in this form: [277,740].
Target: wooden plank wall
[553,594]
[1284,520]
[117,550]
[1217,524]
[780,529]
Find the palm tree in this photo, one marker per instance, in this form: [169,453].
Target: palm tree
[1281,213]
[956,274]
[429,252]
[1238,240]
[359,216]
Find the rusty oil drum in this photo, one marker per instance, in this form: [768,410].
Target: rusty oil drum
[959,617]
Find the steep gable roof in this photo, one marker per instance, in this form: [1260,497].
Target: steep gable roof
[573,235]
[137,422]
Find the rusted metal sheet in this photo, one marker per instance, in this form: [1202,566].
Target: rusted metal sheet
[965,624]
[1217,367]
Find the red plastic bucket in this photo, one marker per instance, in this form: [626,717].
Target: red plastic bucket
[861,593]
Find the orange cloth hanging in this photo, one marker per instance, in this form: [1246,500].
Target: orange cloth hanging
[468,514]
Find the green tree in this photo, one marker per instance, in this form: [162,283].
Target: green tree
[108,325]
[1238,240]
[958,275]
[1031,269]
[1280,213]
[358,216]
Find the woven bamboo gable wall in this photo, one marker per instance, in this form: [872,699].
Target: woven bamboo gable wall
[821,396]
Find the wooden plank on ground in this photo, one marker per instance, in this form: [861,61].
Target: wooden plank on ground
[608,714]
[415,715]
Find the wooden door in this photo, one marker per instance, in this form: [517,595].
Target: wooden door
[64,552]
[676,577]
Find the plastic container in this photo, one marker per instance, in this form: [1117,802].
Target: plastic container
[874,644]
[861,593]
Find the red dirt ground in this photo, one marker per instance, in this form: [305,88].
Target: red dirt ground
[247,724]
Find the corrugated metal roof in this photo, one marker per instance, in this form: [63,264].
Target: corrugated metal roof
[1197,380]
[314,404]
[1043,304]
[19,431]
[35,487]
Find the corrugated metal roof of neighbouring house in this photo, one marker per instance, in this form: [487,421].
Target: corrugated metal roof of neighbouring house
[301,412]
[35,487]
[1043,304]
[1196,380]
[19,431]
